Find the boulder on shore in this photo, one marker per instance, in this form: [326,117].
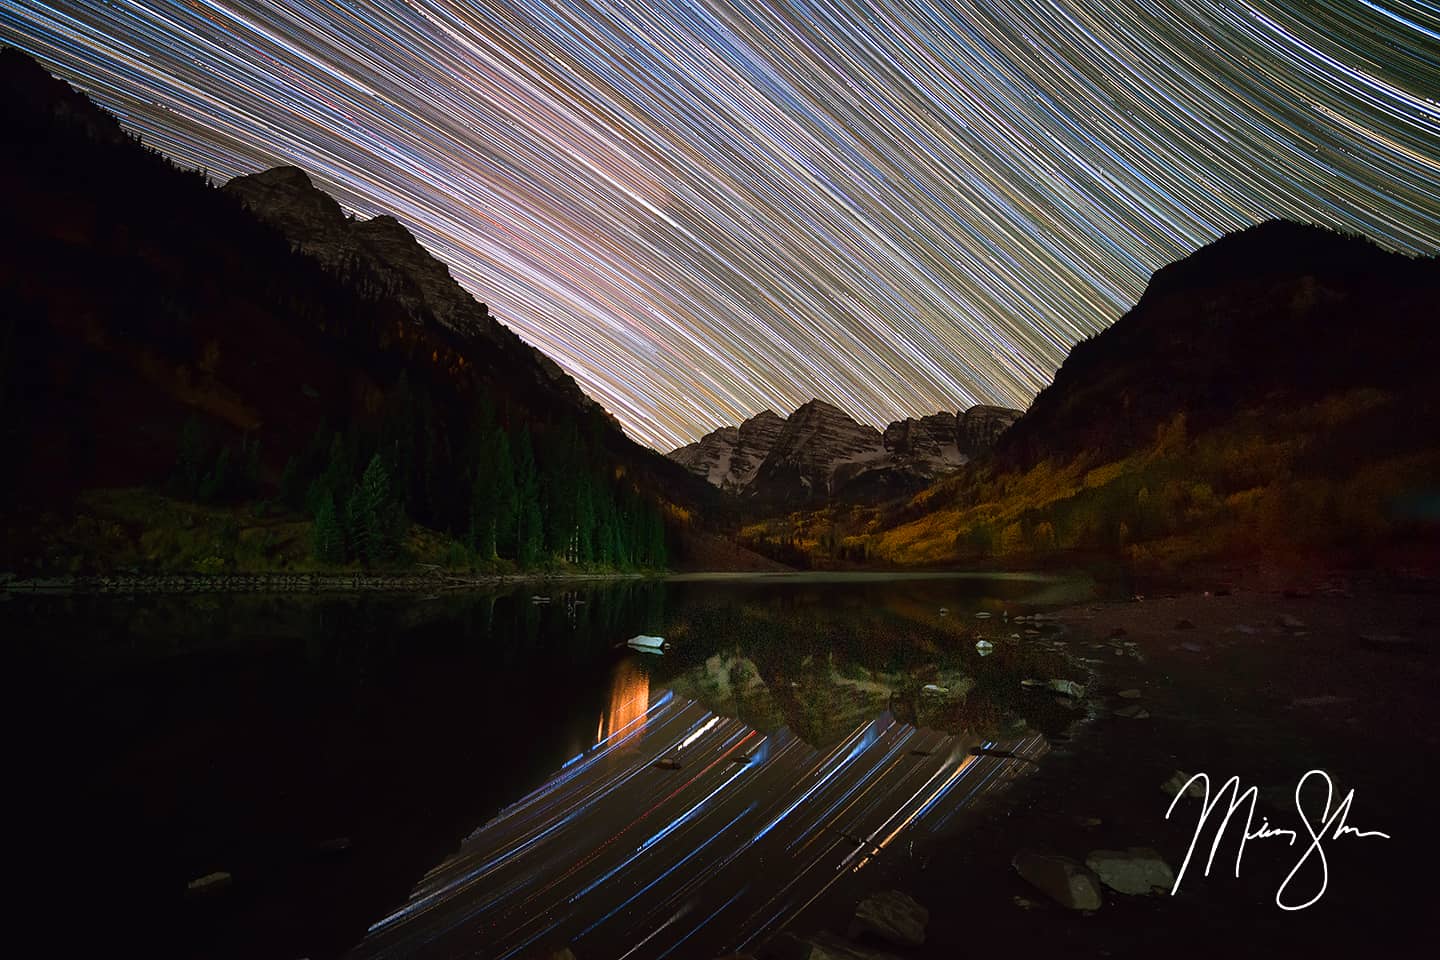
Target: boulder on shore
[1136,870]
[893,916]
[1061,879]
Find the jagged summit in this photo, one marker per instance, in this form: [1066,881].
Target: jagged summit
[821,451]
[382,256]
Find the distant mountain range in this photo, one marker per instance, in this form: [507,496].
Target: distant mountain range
[820,452]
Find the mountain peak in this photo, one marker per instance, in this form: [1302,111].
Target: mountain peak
[816,406]
[284,174]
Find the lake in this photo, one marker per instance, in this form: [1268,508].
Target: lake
[495,774]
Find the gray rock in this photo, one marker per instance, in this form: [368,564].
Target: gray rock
[209,884]
[893,916]
[1386,641]
[823,946]
[1177,781]
[1068,688]
[1061,879]
[1131,694]
[1136,871]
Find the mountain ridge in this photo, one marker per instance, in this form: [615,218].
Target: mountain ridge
[820,451]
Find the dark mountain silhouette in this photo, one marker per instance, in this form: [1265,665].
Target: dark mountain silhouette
[1278,313]
[1271,394]
[138,296]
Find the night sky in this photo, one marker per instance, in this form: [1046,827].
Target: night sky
[704,209]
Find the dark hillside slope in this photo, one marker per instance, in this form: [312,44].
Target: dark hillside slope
[137,296]
[1277,313]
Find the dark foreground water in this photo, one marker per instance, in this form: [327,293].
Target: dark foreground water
[494,775]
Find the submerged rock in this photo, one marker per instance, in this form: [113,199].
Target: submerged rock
[1177,782]
[1068,688]
[1131,694]
[823,946]
[1133,712]
[1061,879]
[1135,871]
[209,884]
[893,916]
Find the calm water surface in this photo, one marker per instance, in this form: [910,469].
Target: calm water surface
[477,773]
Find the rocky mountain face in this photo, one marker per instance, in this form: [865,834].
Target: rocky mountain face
[383,260]
[729,457]
[980,427]
[820,451]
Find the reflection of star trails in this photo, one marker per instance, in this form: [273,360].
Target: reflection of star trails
[703,210]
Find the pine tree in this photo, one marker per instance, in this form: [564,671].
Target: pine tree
[376,513]
[506,499]
[218,481]
[292,491]
[584,548]
[190,457]
[528,527]
[328,541]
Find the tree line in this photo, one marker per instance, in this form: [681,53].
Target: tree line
[509,496]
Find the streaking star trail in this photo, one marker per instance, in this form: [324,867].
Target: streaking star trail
[621,855]
[703,209]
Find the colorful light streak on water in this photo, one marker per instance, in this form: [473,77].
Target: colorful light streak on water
[618,856]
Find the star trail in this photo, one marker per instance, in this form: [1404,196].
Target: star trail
[703,209]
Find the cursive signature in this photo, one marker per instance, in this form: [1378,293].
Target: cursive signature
[1329,825]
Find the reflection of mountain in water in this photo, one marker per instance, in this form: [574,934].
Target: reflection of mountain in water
[617,852]
[821,668]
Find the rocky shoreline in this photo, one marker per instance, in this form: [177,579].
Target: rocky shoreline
[430,581]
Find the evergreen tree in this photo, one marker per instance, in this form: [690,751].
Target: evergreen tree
[529,532]
[378,526]
[292,489]
[190,458]
[217,482]
[584,549]
[506,503]
[328,540]
[249,481]
[339,476]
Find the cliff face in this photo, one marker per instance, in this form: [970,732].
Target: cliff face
[980,427]
[728,458]
[820,451]
[927,447]
[383,260]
